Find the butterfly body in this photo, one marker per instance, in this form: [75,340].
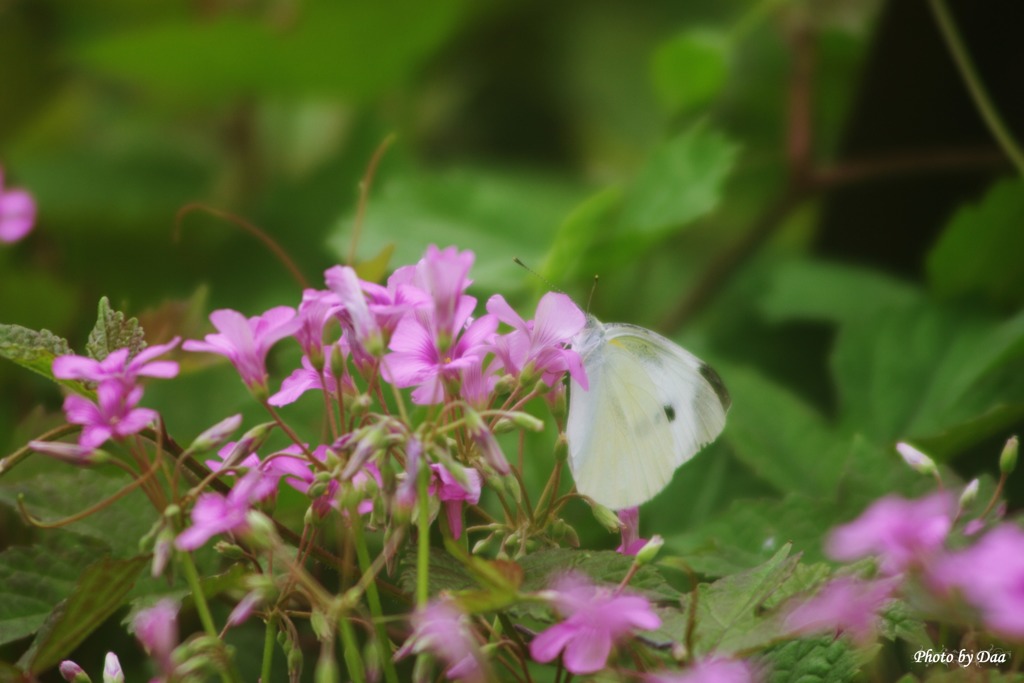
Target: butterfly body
[650,407]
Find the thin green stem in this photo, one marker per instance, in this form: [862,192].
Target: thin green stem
[203,610]
[350,650]
[423,548]
[982,101]
[268,648]
[373,597]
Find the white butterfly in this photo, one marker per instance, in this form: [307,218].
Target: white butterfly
[650,407]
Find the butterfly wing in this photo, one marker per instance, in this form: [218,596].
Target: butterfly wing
[650,407]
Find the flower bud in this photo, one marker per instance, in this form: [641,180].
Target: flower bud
[215,437]
[606,518]
[918,461]
[969,494]
[250,442]
[1008,458]
[229,550]
[647,554]
[528,422]
[561,448]
[261,534]
[73,673]
[112,669]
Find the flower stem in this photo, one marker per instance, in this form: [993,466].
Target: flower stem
[203,610]
[268,648]
[350,649]
[373,597]
[981,98]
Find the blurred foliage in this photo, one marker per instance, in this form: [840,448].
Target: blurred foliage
[685,152]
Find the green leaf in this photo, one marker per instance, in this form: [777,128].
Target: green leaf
[732,615]
[113,332]
[31,349]
[602,566]
[750,531]
[978,253]
[819,290]
[62,492]
[475,209]
[99,593]
[320,48]
[900,622]
[681,182]
[33,579]
[690,69]
[819,660]
[577,233]
[780,437]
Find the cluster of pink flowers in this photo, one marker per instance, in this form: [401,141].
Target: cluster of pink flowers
[909,539]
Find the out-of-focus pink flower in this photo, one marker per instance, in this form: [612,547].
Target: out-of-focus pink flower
[538,347]
[453,493]
[246,341]
[157,630]
[902,533]
[316,310]
[990,575]
[215,514]
[713,670]
[355,311]
[416,359]
[117,365]
[442,274]
[399,298]
[845,605]
[596,619]
[17,213]
[631,541]
[442,630]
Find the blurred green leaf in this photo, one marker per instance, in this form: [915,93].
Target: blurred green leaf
[33,579]
[578,232]
[99,592]
[112,332]
[681,182]
[690,69]
[353,49]
[498,215]
[978,253]
[602,566]
[780,437]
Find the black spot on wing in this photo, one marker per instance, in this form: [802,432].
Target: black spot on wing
[712,378]
[670,412]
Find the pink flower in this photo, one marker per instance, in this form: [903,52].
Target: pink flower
[215,514]
[417,360]
[538,347]
[631,541]
[453,494]
[118,366]
[903,533]
[845,605]
[442,273]
[157,630]
[714,670]
[113,416]
[442,630]
[990,575]
[17,213]
[245,342]
[596,619]
[392,303]
[308,378]
[316,310]
[344,283]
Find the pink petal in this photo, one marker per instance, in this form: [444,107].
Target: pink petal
[17,215]
[546,645]
[588,652]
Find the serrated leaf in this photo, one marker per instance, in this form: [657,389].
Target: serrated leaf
[99,593]
[112,332]
[682,181]
[33,579]
[819,660]
[31,349]
[732,615]
[601,566]
[900,623]
[978,253]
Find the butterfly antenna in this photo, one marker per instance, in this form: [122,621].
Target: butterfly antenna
[531,271]
[593,289]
